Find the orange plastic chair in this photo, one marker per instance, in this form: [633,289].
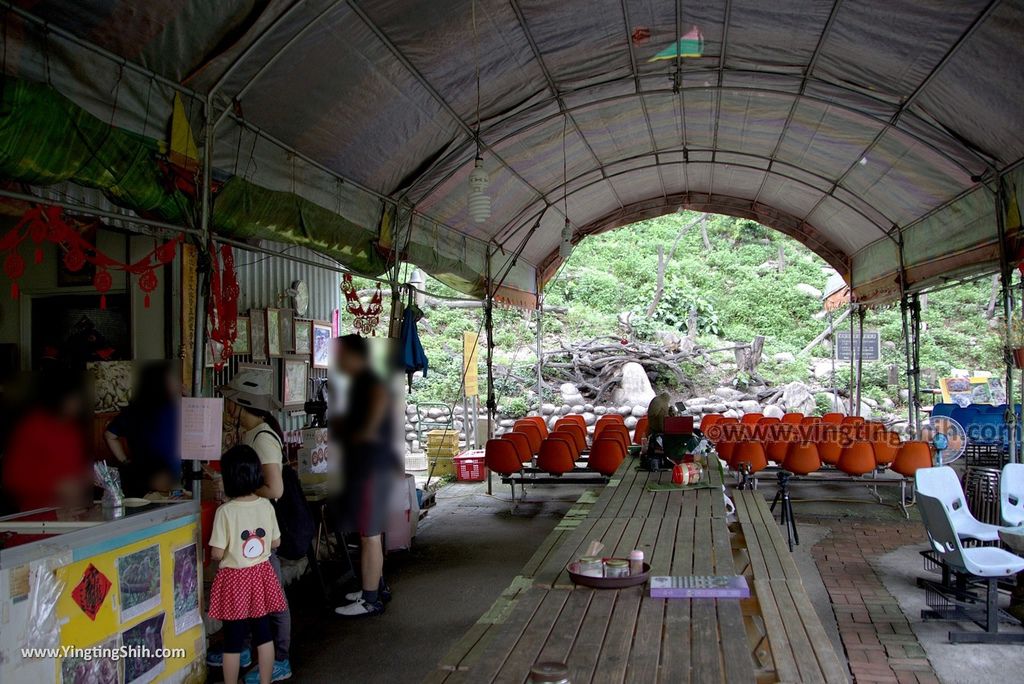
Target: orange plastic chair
[616,429]
[540,423]
[810,420]
[532,432]
[830,444]
[709,419]
[833,418]
[751,418]
[640,430]
[853,420]
[502,457]
[802,458]
[573,438]
[556,456]
[750,453]
[576,418]
[606,456]
[611,418]
[911,457]
[766,427]
[617,436]
[777,449]
[522,444]
[792,418]
[886,445]
[581,433]
[857,458]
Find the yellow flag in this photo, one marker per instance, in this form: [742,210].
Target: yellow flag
[184,152]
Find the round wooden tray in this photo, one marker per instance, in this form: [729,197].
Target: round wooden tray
[607,582]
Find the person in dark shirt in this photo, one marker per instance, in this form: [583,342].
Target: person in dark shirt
[371,463]
[149,428]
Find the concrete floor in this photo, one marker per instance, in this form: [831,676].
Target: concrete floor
[468,549]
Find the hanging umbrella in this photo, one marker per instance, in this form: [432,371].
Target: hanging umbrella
[411,353]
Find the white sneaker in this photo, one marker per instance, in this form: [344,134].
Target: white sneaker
[360,608]
[384,594]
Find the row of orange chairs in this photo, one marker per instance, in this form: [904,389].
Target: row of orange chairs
[558,450]
[802,444]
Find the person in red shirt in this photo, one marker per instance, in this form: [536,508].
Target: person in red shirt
[46,462]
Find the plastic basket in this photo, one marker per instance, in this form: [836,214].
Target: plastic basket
[469,466]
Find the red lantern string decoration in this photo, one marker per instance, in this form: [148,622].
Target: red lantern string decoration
[47,224]
[366,318]
[224,291]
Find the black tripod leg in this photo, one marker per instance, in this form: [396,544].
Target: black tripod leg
[778,495]
[792,520]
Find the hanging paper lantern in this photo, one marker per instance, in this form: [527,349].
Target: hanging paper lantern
[14,268]
[148,282]
[102,282]
[39,231]
[74,260]
[565,246]
[166,252]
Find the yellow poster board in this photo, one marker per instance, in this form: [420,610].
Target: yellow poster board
[470,361]
[152,621]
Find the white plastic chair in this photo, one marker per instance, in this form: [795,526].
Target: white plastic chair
[987,562]
[1011,494]
[942,483]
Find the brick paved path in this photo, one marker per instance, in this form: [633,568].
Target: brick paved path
[879,642]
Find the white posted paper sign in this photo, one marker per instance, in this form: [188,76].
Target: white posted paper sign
[201,428]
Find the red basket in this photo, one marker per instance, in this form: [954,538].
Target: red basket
[469,466]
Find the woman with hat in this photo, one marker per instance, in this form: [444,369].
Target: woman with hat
[249,405]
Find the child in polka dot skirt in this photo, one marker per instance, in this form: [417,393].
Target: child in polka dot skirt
[246,590]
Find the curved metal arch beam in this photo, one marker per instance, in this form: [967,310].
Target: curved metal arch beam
[814,235]
[518,223]
[652,208]
[883,123]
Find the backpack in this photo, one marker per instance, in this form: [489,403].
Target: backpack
[293,514]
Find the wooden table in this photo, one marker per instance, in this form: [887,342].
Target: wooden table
[625,635]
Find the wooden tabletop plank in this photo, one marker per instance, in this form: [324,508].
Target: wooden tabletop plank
[569,625]
[614,657]
[585,652]
[537,633]
[664,547]
[795,636]
[647,645]
[630,537]
[571,547]
[498,648]
[675,657]
[778,543]
[707,665]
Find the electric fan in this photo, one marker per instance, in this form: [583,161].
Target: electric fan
[947,437]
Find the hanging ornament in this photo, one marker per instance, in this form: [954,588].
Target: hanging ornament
[565,246]
[74,260]
[366,318]
[14,268]
[223,312]
[479,200]
[166,252]
[102,282]
[148,282]
[39,231]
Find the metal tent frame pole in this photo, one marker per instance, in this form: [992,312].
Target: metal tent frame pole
[915,328]
[860,354]
[540,354]
[489,356]
[1006,277]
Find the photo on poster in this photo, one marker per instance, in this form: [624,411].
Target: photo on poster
[138,580]
[76,669]
[258,334]
[142,642]
[321,344]
[294,381]
[273,333]
[186,588]
[303,333]
[241,345]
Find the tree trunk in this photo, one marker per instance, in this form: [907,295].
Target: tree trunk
[781,264]
[660,285]
[704,235]
[993,297]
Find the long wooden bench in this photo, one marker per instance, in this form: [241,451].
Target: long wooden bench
[625,635]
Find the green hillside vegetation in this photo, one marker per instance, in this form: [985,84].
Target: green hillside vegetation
[738,291]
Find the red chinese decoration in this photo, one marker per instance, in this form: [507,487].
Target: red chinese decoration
[368,317]
[90,593]
[223,302]
[47,224]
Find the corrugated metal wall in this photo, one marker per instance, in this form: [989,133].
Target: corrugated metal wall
[263,279]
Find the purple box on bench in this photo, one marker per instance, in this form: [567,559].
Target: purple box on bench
[700,586]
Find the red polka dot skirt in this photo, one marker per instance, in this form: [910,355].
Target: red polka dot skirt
[242,593]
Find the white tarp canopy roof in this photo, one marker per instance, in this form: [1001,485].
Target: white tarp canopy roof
[851,126]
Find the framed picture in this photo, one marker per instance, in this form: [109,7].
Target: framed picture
[303,336]
[273,333]
[286,319]
[321,344]
[242,345]
[258,334]
[214,349]
[294,380]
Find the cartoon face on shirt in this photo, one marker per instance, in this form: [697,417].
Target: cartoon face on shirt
[252,543]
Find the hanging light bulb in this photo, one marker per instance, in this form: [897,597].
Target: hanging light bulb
[479,201]
[565,247]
